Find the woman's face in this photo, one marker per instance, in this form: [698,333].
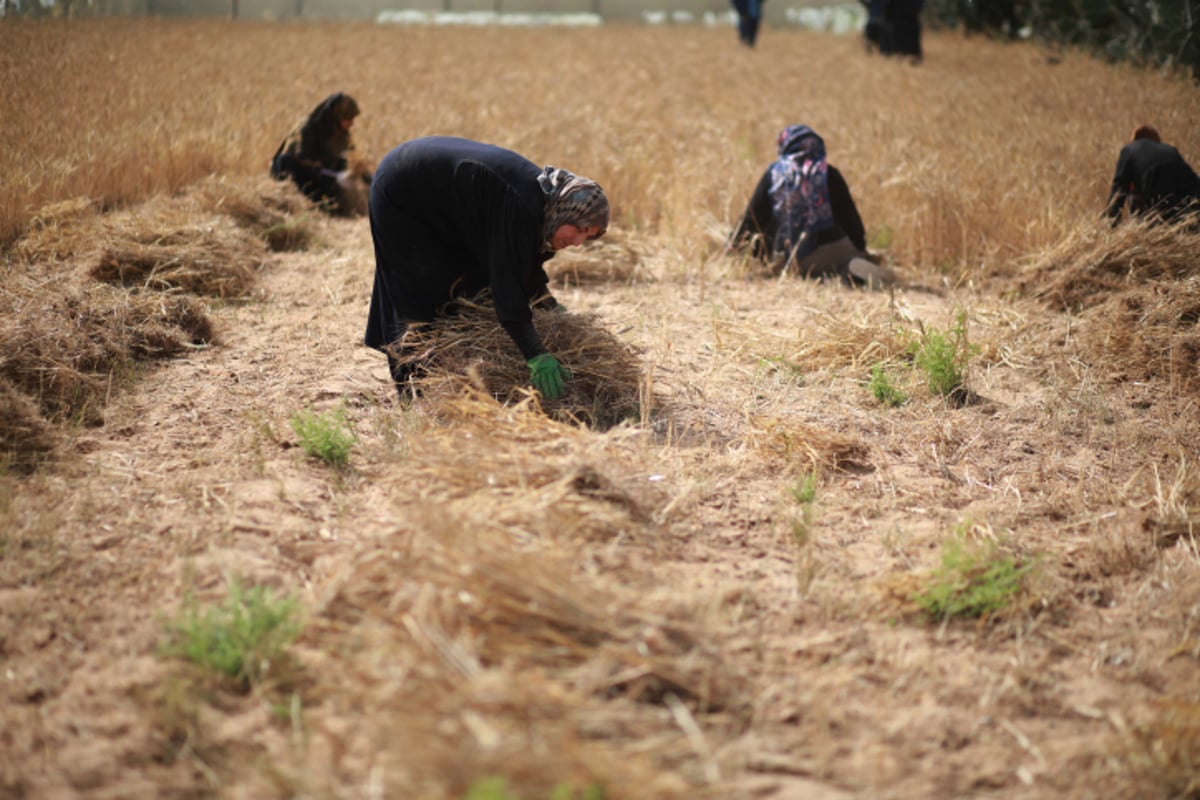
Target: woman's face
[569,235]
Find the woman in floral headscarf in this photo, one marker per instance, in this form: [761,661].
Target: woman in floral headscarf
[802,218]
[451,217]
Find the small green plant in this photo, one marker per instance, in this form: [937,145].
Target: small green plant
[326,436]
[943,356]
[883,390]
[881,238]
[496,788]
[975,579]
[238,638]
[491,788]
[593,791]
[804,492]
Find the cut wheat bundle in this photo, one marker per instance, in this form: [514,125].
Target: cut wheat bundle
[606,386]
[1096,260]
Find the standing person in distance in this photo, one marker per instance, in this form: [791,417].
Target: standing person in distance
[903,19]
[877,32]
[451,217]
[749,14]
[1152,178]
[802,217]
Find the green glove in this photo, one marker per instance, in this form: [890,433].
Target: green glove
[547,375]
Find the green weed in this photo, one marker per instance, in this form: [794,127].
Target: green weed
[496,788]
[326,436]
[237,639]
[883,390]
[943,356]
[881,238]
[975,579]
[805,490]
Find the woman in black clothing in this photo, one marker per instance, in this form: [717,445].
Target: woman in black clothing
[1152,178]
[802,218]
[451,217]
[749,14]
[316,155]
[904,22]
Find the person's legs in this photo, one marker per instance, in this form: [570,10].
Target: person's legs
[827,260]
[401,371]
[405,367]
[747,22]
[754,17]
[865,272]
[410,283]
[842,260]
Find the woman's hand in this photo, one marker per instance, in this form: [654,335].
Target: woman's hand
[548,375]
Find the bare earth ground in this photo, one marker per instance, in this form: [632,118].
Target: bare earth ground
[832,685]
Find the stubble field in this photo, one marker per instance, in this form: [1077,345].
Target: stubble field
[729,594]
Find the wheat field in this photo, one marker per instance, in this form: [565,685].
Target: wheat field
[724,591]
[960,168]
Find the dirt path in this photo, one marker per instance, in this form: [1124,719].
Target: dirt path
[196,477]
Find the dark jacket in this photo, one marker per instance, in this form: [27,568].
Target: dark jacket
[1152,176]
[449,218]
[758,225]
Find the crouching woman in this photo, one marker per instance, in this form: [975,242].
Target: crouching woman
[451,217]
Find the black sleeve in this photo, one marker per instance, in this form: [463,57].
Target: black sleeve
[511,242]
[758,220]
[845,213]
[1122,179]
[526,338]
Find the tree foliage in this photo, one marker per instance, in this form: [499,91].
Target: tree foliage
[1150,32]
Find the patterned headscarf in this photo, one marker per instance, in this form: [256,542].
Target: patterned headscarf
[571,200]
[800,186]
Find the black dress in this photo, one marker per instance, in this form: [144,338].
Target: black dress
[313,154]
[449,218]
[1152,176]
[904,24]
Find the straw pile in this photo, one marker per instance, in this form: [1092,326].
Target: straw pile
[203,261]
[63,337]
[503,604]
[61,348]
[1095,261]
[273,210]
[514,625]
[611,260]
[58,231]
[790,441]
[1138,286]
[1150,331]
[500,654]
[25,437]
[572,487]
[606,387]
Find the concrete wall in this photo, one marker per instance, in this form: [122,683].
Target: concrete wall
[805,13]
